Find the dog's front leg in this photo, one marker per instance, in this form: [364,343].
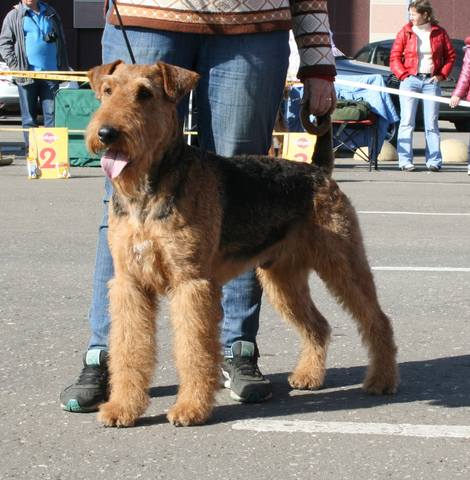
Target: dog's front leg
[195,312]
[131,351]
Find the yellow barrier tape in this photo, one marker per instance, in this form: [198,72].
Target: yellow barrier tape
[17,129]
[62,76]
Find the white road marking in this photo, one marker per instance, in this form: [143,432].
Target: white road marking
[421,269]
[396,212]
[353,428]
[401,182]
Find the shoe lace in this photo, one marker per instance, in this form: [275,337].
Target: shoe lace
[92,374]
[246,366]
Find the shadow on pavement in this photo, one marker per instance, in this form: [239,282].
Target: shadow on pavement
[443,382]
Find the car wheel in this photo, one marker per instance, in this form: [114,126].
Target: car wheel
[462,125]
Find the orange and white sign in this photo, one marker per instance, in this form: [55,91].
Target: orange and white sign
[299,147]
[48,156]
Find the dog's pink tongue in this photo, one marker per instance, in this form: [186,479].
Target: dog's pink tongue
[113,163]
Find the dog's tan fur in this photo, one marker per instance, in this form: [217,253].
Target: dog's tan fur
[174,231]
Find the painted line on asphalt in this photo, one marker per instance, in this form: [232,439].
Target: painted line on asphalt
[407,182]
[353,428]
[397,212]
[421,269]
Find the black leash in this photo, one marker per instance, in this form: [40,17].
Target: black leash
[128,45]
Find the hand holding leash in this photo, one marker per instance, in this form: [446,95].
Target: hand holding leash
[319,96]
[320,127]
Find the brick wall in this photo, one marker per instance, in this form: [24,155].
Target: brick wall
[389,16]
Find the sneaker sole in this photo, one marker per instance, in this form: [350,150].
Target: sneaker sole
[74,407]
[252,398]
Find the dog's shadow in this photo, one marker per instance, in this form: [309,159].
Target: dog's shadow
[441,382]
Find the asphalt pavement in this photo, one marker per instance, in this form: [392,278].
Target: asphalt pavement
[416,227]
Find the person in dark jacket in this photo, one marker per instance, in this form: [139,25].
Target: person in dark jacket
[421,56]
[462,89]
[32,39]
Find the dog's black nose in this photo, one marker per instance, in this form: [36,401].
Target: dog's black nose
[108,134]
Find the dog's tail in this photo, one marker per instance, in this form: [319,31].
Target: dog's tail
[322,156]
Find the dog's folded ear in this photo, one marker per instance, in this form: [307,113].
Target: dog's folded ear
[96,74]
[177,81]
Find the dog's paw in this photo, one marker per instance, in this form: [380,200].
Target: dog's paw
[111,414]
[184,414]
[381,383]
[306,381]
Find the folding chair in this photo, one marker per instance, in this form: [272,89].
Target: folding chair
[346,134]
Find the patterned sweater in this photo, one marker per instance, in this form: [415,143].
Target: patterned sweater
[307,18]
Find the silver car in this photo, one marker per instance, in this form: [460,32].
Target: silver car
[9,100]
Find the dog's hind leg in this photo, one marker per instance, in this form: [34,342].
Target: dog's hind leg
[341,262]
[196,312]
[288,291]
[131,352]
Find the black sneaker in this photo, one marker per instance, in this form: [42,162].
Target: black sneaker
[91,388]
[246,382]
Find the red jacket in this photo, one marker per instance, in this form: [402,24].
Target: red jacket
[404,53]
[462,89]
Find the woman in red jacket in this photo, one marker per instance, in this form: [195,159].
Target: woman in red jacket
[462,89]
[422,56]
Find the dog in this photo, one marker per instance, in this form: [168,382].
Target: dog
[183,222]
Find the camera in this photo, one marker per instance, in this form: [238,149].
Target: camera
[50,37]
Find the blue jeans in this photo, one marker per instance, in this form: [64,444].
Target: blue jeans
[44,90]
[237,98]
[408,108]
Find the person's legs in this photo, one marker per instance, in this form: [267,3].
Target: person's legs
[28,96]
[47,91]
[91,388]
[237,120]
[148,47]
[408,108]
[238,96]
[236,74]
[431,126]
[98,316]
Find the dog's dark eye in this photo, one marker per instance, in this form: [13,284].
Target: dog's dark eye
[107,91]
[143,93]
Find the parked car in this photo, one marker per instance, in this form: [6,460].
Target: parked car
[378,53]
[9,100]
[349,66]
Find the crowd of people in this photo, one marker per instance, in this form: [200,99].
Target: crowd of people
[240,59]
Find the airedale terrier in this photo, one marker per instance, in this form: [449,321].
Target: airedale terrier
[183,222]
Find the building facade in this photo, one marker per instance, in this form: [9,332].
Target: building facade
[386,17]
[354,23]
